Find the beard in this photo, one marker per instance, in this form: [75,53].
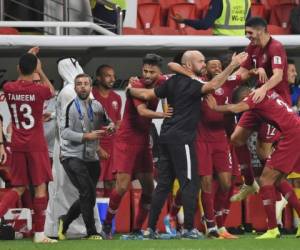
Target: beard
[198,72]
[83,96]
[106,86]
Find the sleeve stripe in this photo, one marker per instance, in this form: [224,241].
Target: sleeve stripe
[67,113]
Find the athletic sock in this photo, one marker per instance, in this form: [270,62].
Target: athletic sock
[208,207]
[268,197]
[27,199]
[221,198]
[144,208]
[39,208]
[244,159]
[114,203]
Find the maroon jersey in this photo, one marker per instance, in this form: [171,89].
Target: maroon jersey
[25,101]
[276,112]
[272,56]
[112,105]
[134,129]
[211,127]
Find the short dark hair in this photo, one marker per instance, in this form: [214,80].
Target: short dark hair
[256,22]
[213,58]
[238,93]
[153,59]
[290,61]
[27,64]
[101,68]
[83,75]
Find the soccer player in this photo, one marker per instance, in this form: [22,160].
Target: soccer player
[177,151]
[268,57]
[214,154]
[132,157]
[283,160]
[30,160]
[111,101]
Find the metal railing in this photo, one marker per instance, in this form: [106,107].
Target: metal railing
[57,25]
[101,26]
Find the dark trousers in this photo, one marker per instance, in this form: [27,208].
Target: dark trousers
[176,161]
[84,176]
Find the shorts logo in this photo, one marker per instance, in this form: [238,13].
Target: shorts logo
[219,91]
[277,60]
[115,105]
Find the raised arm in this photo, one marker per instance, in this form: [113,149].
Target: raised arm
[177,68]
[260,93]
[143,94]
[145,112]
[219,80]
[232,108]
[39,70]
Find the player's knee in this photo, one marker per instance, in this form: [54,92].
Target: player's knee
[225,185]
[263,152]
[122,187]
[40,190]
[20,190]
[206,184]
[268,177]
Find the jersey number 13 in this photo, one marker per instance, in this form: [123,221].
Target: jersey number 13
[26,111]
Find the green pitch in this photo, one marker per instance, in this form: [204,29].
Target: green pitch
[244,243]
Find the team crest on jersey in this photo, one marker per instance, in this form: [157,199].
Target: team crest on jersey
[115,105]
[264,58]
[219,91]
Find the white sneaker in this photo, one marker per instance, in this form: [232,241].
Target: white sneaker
[42,238]
[245,191]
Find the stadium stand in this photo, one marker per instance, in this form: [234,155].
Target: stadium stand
[151,19]
[258,9]
[276,12]
[9,31]
[132,31]
[186,10]
[280,15]
[164,31]
[194,32]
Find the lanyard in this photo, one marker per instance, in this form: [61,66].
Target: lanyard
[89,111]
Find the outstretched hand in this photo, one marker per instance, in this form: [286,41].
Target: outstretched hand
[258,94]
[238,59]
[262,75]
